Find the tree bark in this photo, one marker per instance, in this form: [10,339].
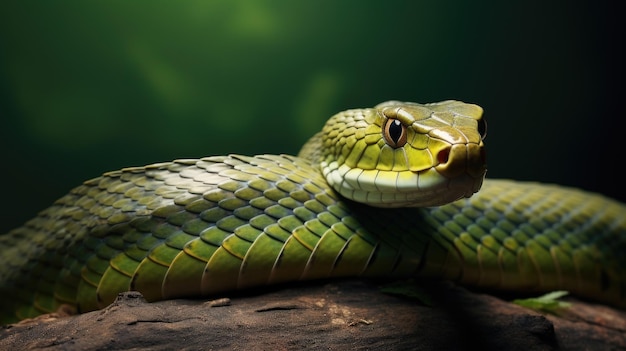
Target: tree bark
[336,315]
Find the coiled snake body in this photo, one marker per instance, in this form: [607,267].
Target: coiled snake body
[385,191]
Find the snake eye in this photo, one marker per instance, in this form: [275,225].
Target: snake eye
[395,133]
[482,128]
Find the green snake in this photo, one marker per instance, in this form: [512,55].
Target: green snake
[397,190]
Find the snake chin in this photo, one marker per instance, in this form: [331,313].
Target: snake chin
[455,189]
[386,189]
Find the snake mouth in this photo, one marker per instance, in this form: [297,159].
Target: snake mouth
[459,172]
[378,188]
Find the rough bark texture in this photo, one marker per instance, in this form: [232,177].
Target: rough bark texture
[348,315]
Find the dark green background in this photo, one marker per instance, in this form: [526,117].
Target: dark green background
[91,86]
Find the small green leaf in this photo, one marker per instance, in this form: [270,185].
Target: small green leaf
[546,303]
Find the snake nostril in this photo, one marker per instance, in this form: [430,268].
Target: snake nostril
[443,155]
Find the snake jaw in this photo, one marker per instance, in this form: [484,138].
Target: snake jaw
[390,189]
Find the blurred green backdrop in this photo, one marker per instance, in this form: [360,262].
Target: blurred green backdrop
[91,86]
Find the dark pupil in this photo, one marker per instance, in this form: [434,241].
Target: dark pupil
[395,130]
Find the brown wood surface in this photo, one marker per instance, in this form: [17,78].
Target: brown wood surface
[337,315]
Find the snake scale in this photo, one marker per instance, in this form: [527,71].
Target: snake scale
[397,190]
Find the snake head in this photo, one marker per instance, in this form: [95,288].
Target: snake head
[403,154]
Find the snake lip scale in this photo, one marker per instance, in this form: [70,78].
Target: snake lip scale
[396,190]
